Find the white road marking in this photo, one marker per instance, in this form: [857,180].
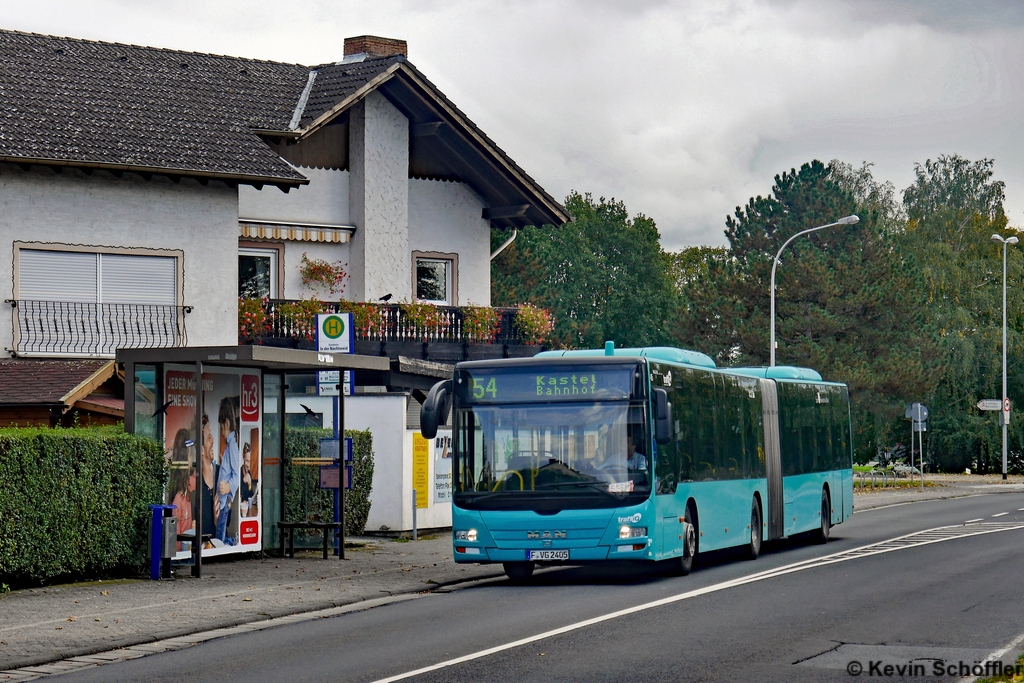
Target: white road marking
[979,519]
[998,654]
[920,538]
[1001,514]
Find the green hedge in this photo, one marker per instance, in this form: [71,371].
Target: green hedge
[305,501]
[74,502]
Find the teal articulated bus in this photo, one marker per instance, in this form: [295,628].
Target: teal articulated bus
[650,454]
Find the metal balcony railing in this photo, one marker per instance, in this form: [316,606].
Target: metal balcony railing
[389,323]
[87,329]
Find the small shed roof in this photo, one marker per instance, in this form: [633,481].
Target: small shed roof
[51,382]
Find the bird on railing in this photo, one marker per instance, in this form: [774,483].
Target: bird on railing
[386,298]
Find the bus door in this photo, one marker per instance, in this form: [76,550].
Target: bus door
[773,459]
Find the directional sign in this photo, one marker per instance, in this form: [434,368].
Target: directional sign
[327,382]
[990,404]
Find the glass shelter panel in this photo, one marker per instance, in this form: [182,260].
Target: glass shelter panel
[273,410]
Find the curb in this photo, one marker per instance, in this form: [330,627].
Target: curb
[176,639]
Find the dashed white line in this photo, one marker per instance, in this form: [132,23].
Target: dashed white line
[979,519]
[1001,514]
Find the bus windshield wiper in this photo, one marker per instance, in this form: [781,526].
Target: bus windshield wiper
[597,486]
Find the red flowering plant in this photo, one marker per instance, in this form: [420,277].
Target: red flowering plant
[480,324]
[298,318]
[369,319]
[427,320]
[318,274]
[253,320]
[534,324]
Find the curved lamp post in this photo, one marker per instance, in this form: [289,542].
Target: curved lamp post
[1005,412]
[848,220]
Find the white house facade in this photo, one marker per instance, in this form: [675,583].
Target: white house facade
[145,193]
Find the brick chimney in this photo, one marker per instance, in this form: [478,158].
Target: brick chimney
[375,46]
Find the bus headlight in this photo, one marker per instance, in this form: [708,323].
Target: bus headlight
[632,531]
[466,535]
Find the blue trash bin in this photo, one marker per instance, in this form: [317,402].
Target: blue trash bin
[158,564]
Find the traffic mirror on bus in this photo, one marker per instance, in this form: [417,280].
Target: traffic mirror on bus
[662,417]
[435,408]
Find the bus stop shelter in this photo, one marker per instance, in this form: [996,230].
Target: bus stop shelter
[233,420]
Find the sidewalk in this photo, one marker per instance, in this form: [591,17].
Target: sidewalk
[947,486]
[47,624]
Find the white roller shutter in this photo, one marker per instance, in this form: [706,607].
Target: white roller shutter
[138,279]
[56,276]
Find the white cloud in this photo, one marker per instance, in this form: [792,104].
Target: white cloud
[682,109]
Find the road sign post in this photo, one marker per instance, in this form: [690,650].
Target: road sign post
[917,413]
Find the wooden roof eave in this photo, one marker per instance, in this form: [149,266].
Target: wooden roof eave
[241,178]
[89,385]
[528,184]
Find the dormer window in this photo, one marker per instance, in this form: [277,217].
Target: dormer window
[436,278]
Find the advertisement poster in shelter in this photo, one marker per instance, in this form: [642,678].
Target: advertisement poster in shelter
[228,452]
[442,447]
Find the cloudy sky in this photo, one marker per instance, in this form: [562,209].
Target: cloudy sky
[683,109]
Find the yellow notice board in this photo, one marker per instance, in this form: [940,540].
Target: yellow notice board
[421,469]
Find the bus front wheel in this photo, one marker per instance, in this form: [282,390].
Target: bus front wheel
[754,549]
[826,518]
[518,571]
[690,540]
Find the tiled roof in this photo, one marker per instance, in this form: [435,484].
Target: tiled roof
[335,82]
[108,105]
[43,381]
[139,107]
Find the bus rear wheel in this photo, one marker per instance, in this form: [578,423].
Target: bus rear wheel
[826,518]
[518,571]
[754,549]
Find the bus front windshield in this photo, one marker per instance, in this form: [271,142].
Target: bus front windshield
[531,456]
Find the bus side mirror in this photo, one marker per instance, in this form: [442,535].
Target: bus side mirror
[435,409]
[662,417]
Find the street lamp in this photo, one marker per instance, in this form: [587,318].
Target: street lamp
[848,220]
[1005,413]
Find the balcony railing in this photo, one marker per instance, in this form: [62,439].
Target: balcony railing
[389,330]
[87,329]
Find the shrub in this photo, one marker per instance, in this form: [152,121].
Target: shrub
[306,501]
[74,502]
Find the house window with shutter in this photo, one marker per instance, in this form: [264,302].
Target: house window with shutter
[90,303]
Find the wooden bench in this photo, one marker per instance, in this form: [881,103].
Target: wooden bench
[290,528]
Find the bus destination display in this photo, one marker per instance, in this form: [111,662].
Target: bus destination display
[513,385]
